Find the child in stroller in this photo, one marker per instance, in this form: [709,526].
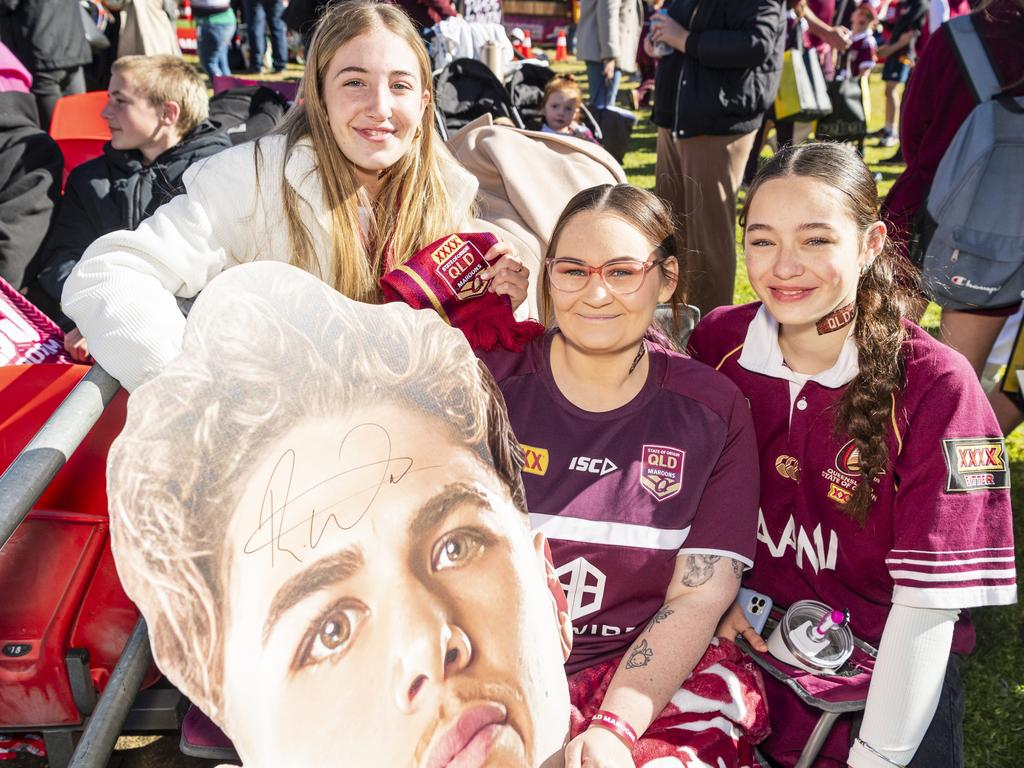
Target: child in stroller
[560,108]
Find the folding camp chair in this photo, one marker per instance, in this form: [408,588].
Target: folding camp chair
[835,695]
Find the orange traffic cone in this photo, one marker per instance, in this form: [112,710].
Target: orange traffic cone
[186,10]
[527,45]
[561,46]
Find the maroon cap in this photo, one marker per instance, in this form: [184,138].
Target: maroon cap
[445,277]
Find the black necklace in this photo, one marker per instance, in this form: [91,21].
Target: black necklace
[639,356]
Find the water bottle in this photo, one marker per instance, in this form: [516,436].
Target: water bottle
[663,49]
[491,56]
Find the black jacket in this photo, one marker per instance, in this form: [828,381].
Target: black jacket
[117,191]
[44,34]
[730,72]
[30,173]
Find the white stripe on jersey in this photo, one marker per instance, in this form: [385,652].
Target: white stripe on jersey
[954,597]
[566,528]
[720,552]
[941,563]
[952,575]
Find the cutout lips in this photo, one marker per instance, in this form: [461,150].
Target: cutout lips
[467,742]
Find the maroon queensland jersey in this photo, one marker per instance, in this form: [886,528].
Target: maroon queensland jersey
[620,494]
[860,58]
[938,535]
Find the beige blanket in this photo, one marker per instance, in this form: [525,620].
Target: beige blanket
[526,178]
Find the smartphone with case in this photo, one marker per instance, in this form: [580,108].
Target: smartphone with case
[756,607]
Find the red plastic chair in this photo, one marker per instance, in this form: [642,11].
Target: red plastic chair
[61,594]
[79,129]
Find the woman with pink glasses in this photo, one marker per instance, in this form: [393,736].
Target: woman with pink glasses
[641,470]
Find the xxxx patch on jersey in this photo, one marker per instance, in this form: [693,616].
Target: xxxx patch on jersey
[536,459]
[975,464]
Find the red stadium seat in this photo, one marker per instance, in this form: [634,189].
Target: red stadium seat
[64,617]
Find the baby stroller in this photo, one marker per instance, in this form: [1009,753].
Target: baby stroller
[612,127]
[526,86]
[467,89]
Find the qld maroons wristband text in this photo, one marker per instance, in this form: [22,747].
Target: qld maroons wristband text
[615,724]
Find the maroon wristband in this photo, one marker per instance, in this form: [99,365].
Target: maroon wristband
[616,725]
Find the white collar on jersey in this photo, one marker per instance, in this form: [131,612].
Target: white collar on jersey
[762,354]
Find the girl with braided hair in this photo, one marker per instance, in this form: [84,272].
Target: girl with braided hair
[883,473]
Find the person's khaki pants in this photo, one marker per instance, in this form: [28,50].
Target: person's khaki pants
[699,178]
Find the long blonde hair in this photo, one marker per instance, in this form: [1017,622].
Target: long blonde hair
[413,207]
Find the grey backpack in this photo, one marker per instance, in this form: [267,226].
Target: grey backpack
[975,258]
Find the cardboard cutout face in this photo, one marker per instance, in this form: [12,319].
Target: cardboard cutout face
[317,507]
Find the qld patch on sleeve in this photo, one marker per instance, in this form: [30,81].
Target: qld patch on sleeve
[975,464]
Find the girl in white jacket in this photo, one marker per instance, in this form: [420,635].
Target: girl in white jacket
[355,182]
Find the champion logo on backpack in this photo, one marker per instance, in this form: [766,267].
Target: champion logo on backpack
[965,282]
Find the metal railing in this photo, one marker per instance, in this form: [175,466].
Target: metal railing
[21,485]
[105,723]
[40,461]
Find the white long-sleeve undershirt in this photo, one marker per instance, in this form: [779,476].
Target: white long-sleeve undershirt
[905,686]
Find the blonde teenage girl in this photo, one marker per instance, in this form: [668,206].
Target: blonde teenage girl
[354,182]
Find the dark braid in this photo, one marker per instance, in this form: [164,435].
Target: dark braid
[864,410]
[884,298]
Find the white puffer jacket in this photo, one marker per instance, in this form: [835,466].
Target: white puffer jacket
[122,294]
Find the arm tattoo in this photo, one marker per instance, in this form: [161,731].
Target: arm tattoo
[737,568]
[639,656]
[663,613]
[699,569]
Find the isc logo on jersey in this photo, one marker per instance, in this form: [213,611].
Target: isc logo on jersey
[593,466]
[975,464]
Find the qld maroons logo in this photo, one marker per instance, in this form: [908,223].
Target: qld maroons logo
[661,471]
[459,264]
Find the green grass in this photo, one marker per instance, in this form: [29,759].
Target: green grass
[994,673]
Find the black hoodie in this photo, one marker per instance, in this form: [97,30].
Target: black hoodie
[30,171]
[117,191]
[728,76]
[44,34]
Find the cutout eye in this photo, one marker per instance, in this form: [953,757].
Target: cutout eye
[455,549]
[331,634]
